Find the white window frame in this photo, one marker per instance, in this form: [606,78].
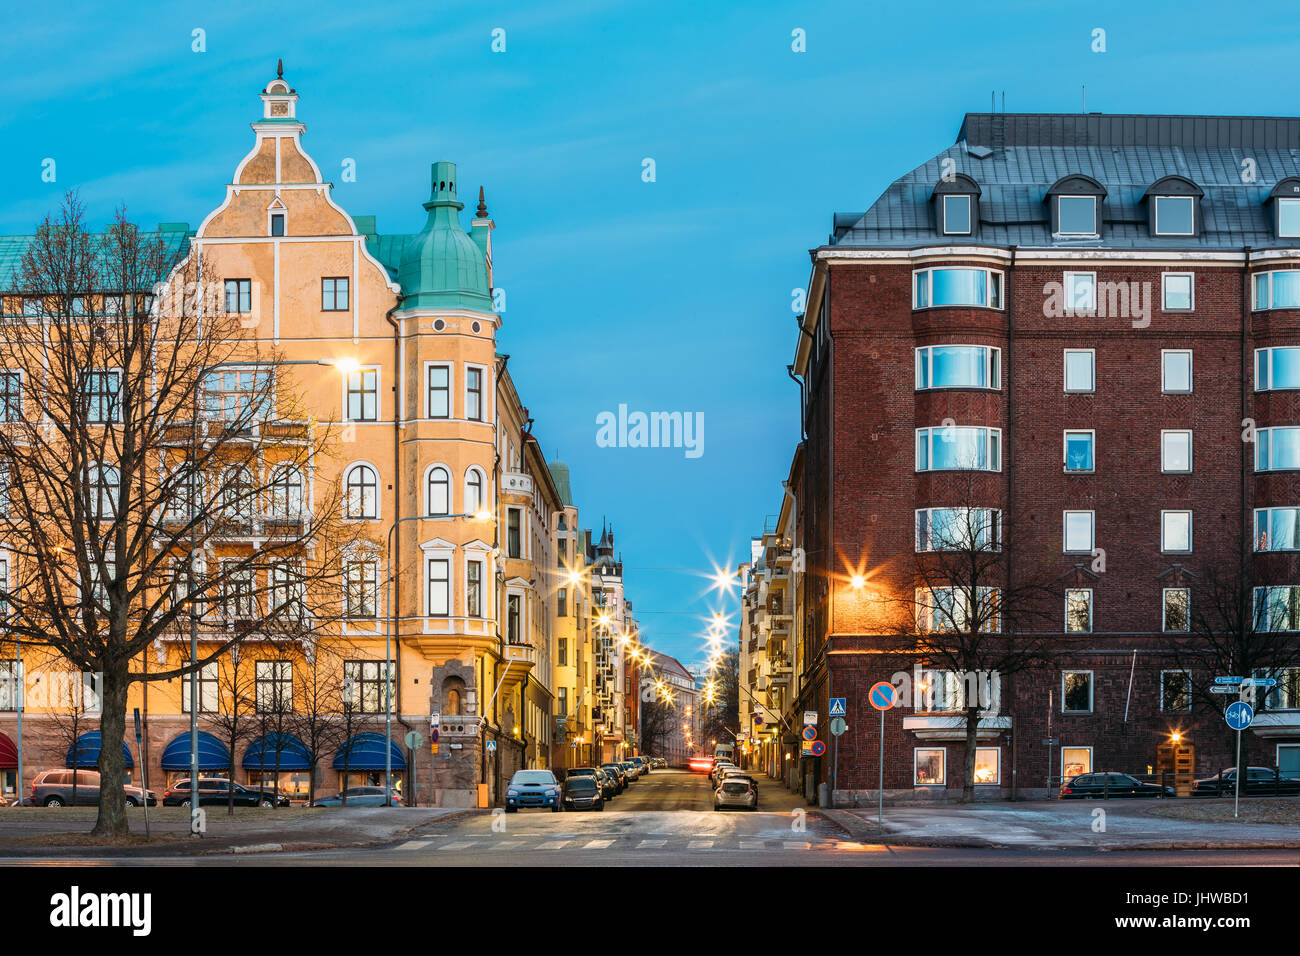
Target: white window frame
[1164,610]
[1164,549]
[1096,215]
[487,607]
[1188,199]
[1092,694]
[1254,609]
[1191,462]
[932,435]
[1179,710]
[1067,293]
[1191,372]
[1191,291]
[924,354]
[484,493]
[1065,371]
[379,394]
[927,546]
[970,217]
[117,401]
[451,497]
[1268,287]
[485,395]
[451,391]
[277,209]
[359,558]
[1282,203]
[1065,531]
[943,766]
[994,278]
[1254,525]
[1065,628]
[1065,450]
[1267,351]
[379,495]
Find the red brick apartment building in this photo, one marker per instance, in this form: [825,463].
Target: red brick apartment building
[1088,327]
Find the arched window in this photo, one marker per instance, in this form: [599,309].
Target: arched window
[105,483]
[439,491]
[473,491]
[362,489]
[286,492]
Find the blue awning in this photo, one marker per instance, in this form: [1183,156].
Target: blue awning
[84,754]
[213,754]
[261,753]
[366,752]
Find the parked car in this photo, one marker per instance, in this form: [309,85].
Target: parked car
[1259,782]
[630,769]
[54,788]
[734,773]
[1111,785]
[583,793]
[618,773]
[718,768]
[534,788]
[359,797]
[643,764]
[608,785]
[659,762]
[216,792]
[735,793]
[579,772]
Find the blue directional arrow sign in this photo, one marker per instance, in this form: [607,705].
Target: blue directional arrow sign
[1259,682]
[1239,715]
[1228,680]
[839,707]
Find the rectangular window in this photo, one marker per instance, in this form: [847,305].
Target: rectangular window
[239,295]
[277,224]
[1080,293]
[1277,449]
[988,765]
[9,684]
[364,688]
[237,593]
[439,587]
[334,295]
[1175,450]
[274,687]
[562,706]
[287,590]
[1285,695]
[1177,609]
[240,395]
[514,618]
[1080,370]
[958,529]
[1075,761]
[928,766]
[1276,368]
[1076,215]
[1175,531]
[1277,290]
[958,448]
[1078,532]
[1177,291]
[1277,529]
[474,589]
[562,603]
[958,366]
[1076,692]
[361,589]
[513,533]
[439,391]
[1175,215]
[474,394]
[101,389]
[940,610]
[563,652]
[1175,690]
[363,395]
[1288,218]
[11,396]
[957,287]
[1078,610]
[1176,371]
[209,690]
[1079,451]
[956,215]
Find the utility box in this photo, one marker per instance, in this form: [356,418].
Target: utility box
[482,796]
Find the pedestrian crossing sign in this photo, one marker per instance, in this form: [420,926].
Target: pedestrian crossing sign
[838,708]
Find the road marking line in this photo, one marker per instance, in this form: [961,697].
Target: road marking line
[457,846]
[753,845]
[650,843]
[414,844]
[506,844]
[554,845]
[597,844]
[700,845]
[796,845]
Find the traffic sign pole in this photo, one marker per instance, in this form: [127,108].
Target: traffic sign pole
[1236,799]
[880,785]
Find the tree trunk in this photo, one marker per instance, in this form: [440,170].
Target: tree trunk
[111,821]
[968,762]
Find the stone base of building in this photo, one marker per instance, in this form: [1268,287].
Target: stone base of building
[865,799]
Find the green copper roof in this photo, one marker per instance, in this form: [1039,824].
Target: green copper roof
[441,266]
[560,475]
[175,237]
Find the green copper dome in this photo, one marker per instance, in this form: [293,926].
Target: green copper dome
[442,267]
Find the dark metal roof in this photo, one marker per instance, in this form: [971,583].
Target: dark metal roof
[1027,153]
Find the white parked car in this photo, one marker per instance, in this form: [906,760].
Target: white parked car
[735,793]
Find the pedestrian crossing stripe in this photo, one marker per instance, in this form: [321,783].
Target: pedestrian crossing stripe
[597,844]
[700,845]
[415,844]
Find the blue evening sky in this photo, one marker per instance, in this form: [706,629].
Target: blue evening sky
[671,295]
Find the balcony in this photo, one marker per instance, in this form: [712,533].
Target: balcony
[521,654]
[517,483]
[953,726]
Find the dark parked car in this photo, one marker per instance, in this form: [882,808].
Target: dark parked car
[618,773]
[1259,782]
[536,788]
[608,785]
[583,793]
[215,792]
[359,797]
[629,768]
[53,788]
[1101,785]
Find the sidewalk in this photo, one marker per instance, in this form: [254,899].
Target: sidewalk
[1059,824]
[38,831]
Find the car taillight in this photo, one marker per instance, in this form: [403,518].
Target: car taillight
[1067,790]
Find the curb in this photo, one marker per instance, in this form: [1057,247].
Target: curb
[306,847]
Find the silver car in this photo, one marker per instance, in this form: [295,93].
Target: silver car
[735,793]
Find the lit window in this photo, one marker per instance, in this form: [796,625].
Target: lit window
[1075,761]
[363,395]
[1175,451]
[1177,609]
[1277,529]
[957,529]
[1078,610]
[1175,215]
[928,765]
[956,215]
[1076,215]
[1175,531]
[988,765]
[1176,291]
[958,366]
[958,448]
[1080,293]
[1175,371]
[1078,451]
[956,287]
[1076,692]
[1078,532]
[1080,371]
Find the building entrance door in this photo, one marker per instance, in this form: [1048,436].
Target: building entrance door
[1175,762]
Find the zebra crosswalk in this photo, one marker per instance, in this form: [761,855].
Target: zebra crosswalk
[603,841]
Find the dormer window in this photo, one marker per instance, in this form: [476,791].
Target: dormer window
[1288,218]
[956,206]
[956,215]
[1077,215]
[1175,216]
